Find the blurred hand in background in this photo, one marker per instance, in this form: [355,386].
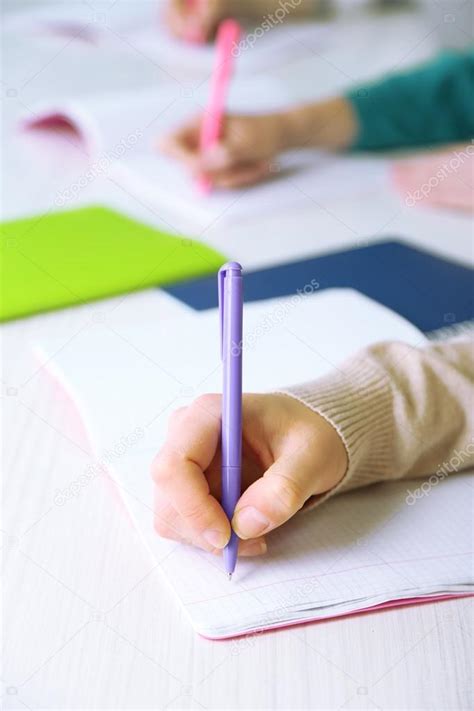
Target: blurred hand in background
[242,157]
[250,143]
[433,104]
[197,20]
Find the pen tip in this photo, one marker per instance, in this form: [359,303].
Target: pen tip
[230,576]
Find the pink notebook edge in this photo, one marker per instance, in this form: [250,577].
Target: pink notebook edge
[53,119]
[390,604]
[57,377]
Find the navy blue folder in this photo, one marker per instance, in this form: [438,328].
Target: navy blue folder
[430,291]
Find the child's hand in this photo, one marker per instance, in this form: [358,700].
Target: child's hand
[249,143]
[243,155]
[289,454]
[195,20]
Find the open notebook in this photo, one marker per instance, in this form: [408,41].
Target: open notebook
[358,551]
[119,132]
[140,25]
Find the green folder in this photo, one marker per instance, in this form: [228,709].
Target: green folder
[71,257]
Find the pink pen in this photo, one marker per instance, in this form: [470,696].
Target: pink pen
[228,36]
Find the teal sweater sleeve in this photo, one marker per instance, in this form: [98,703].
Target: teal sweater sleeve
[431,104]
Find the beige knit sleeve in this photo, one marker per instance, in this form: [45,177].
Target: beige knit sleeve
[401,411]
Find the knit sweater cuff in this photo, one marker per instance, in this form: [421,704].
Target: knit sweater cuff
[357,401]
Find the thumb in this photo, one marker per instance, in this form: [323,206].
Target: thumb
[275,497]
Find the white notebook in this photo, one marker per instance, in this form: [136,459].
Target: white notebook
[119,131]
[357,551]
[139,25]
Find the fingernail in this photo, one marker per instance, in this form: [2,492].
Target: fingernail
[249,522]
[217,539]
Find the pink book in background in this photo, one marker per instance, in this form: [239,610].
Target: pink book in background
[444,179]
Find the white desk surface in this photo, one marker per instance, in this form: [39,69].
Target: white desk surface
[87,621]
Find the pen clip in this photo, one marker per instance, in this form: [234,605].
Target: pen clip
[227,270]
[220,292]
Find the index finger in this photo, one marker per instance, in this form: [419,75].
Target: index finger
[179,470]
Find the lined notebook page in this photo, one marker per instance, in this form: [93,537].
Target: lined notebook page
[339,558]
[355,551]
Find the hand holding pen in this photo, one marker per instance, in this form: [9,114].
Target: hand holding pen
[222,153]
[289,453]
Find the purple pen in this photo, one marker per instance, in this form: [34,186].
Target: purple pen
[231,317]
